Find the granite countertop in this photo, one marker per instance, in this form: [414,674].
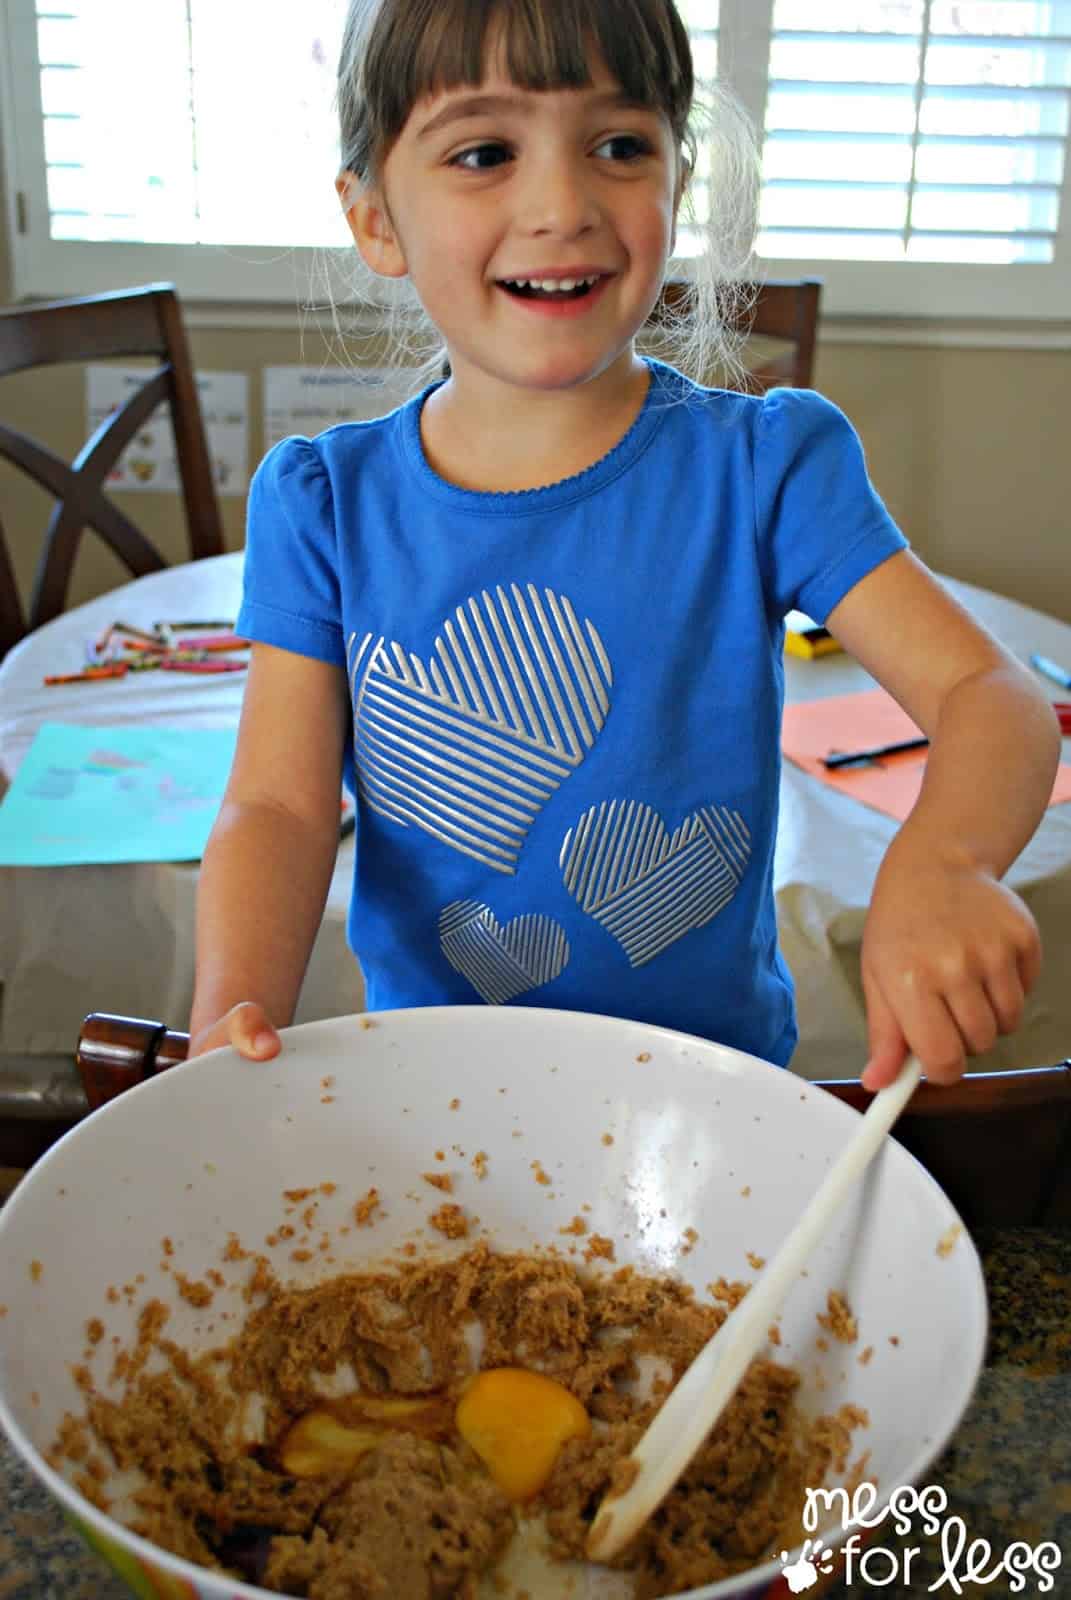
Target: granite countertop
[1006,1473]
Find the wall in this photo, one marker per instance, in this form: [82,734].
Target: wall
[968,446]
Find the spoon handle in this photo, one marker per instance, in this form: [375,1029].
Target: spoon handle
[702,1394]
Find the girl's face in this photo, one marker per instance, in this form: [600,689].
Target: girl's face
[489,188]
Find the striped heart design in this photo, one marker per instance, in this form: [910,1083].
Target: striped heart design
[501,962]
[647,887]
[470,745]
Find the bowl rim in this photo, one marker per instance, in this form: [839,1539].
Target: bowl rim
[760,1578]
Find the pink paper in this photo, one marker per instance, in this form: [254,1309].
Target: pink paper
[812,729]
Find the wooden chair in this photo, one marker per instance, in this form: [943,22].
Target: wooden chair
[998,1143]
[782,310]
[131,322]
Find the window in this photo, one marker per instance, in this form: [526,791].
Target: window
[914,151]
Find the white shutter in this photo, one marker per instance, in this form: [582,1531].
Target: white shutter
[916,130]
[701,18]
[190,121]
[914,150]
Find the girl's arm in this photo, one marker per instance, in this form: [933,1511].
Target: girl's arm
[949,953]
[268,863]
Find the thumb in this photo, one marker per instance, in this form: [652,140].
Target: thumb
[887,1048]
[250,1031]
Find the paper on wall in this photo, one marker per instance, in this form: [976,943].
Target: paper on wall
[306,400]
[149,464]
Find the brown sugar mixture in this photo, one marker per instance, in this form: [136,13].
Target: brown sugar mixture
[413,1482]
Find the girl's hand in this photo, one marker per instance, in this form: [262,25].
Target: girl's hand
[246,1027]
[949,955]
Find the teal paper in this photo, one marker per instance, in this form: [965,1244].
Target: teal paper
[87,795]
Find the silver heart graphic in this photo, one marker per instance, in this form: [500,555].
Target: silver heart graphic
[649,888]
[471,746]
[501,962]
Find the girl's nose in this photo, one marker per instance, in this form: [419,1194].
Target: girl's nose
[558,199]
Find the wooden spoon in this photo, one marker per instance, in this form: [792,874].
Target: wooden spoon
[698,1400]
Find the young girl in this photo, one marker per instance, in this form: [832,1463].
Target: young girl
[534,616]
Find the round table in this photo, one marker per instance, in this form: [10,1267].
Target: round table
[120,938]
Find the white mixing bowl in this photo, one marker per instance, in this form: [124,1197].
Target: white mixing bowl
[701,1137]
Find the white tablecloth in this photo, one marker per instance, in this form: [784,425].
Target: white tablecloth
[120,938]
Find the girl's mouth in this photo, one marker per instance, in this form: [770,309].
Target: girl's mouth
[560,296]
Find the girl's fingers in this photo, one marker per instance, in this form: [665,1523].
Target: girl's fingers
[926,1024]
[972,1012]
[1029,952]
[1007,996]
[887,1045]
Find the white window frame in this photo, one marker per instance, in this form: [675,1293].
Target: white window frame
[43,267]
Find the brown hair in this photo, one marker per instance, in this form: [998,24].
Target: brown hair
[395,52]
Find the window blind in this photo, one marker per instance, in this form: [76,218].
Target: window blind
[920,130]
[196,140]
[191,121]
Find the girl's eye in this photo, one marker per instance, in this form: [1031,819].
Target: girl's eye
[625,146]
[480,157]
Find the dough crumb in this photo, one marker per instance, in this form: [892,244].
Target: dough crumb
[600,1248]
[838,1318]
[451,1221]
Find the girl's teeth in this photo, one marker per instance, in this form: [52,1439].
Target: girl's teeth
[550,285]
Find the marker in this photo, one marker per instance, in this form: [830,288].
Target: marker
[852,758]
[1052,669]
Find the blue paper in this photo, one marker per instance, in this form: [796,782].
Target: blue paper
[87,795]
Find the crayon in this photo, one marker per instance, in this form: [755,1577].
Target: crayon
[115,669]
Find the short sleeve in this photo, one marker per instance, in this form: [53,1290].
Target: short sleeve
[291,590]
[821,524]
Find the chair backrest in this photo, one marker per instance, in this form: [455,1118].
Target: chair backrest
[129,323]
[783,310]
[998,1143]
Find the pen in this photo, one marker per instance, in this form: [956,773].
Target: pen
[1052,669]
[850,758]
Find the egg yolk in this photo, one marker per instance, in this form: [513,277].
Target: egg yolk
[517,1421]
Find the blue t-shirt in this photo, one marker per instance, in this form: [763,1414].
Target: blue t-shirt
[567,700]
